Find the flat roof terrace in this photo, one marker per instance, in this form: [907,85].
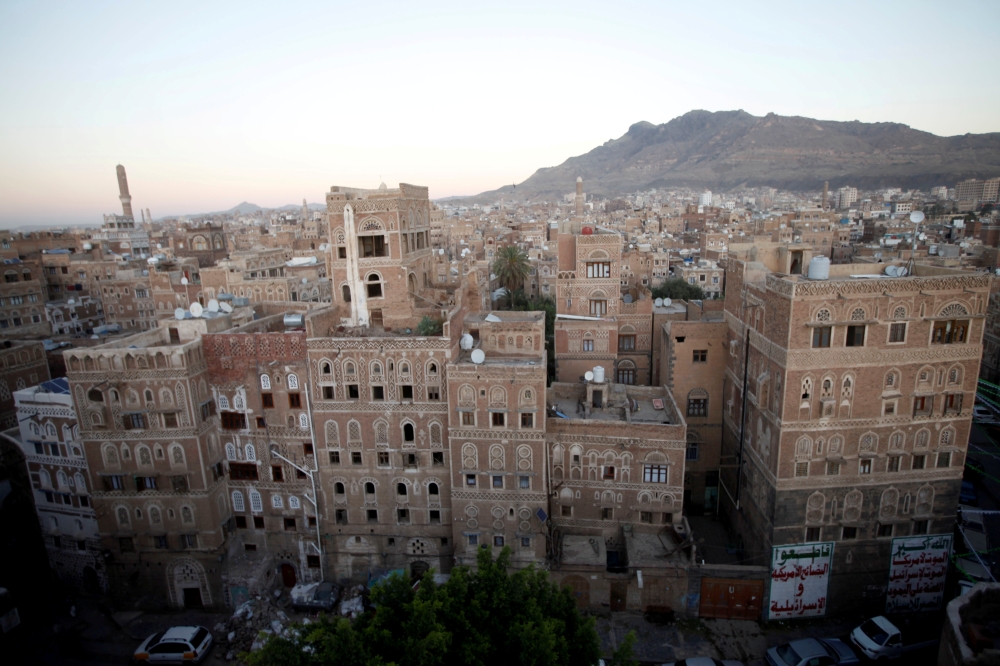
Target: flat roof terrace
[619,402]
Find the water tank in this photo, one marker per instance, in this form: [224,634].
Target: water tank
[466,341]
[819,268]
[599,374]
[88,247]
[294,321]
[587,231]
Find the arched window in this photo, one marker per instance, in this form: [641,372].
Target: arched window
[432,489]
[303,421]
[276,501]
[435,433]
[187,515]
[349,368]
[401,489]
[124,520]
[293,502]
[326,368]
[177,455]
[223,402]
[250,452]
[94,395]
[155,517]
[369,488]
[408,435]
[346,292]
[256,505]
[432,369]
[338,488]
[265,382]
[293,382]
[373,283]
[230,451]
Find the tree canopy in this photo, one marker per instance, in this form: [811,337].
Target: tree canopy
[481,617]
[678,288]
[511,267]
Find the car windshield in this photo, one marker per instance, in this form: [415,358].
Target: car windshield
[788,655]
[155,639]
[199,637]
[323,593]
[874,632]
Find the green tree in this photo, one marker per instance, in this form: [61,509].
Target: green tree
[481,617]
[511,267]
[678,288]
[520,302]
[429,326]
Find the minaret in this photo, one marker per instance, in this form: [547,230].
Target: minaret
[123,194]
[826,193]
[149,217]
[579,196]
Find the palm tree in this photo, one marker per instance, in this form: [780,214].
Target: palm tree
[511,267]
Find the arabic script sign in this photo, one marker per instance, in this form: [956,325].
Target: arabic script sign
[917,572]
[800,574]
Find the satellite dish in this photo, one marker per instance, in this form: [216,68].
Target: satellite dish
[901,271]
[917,217]
[478,356]
[179,314]
[667,302]
[545,247]
[305,280]
[197,310]
[71,301]
[466,341]
[441,251]
[213,305]
[890,271]
[226,307]
[589,376]
[922,237]
[658,302]
[184,280]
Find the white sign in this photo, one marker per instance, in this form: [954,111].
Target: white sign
[916,573]
[800,574]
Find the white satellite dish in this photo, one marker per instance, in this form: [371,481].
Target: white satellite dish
[917,217]
[184,280]
[545,247]
[658,302]
[197,310]
[589,376]
[305,280]
[890,271]
[478,356]
[71,301]
[922,237]
[667,302]
[179,313]
[466,341]
[213,305]
[226,307]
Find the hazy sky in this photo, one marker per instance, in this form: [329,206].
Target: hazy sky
[208,104]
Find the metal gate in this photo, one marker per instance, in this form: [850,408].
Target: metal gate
[731,599]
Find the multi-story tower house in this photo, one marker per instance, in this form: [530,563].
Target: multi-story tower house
[377,238]
[847,410]
[22,301]
[22,364]
[496,437]
[154,459]
[49,439]
[616,455]
[259,379]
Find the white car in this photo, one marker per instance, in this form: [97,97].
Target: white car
[981,412]
[176,645]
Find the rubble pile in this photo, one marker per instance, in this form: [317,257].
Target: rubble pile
[252,623]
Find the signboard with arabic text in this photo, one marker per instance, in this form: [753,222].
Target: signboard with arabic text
[917,573]
[800,575]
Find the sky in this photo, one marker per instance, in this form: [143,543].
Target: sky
[208,104]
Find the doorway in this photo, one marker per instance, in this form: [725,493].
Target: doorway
[288,575]
[417,569]
[192,597]
[91,584]
[619,592]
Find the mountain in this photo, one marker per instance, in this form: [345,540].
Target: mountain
[729,149]
[246,208]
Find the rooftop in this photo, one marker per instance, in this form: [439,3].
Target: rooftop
[622,402]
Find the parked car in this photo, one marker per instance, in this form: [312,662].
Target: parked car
[980,412]
[176,645]
[968,495]
[315,596]
[812,652]
[705,661]
[878,638]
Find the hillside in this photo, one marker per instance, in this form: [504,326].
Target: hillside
[729,149]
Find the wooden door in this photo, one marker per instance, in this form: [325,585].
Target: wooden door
[288,575]
[619,592]
[731,599]
[580,589]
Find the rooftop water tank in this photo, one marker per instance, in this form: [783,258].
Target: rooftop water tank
[587,231]
[294,321]
[599,374]
[819,268]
